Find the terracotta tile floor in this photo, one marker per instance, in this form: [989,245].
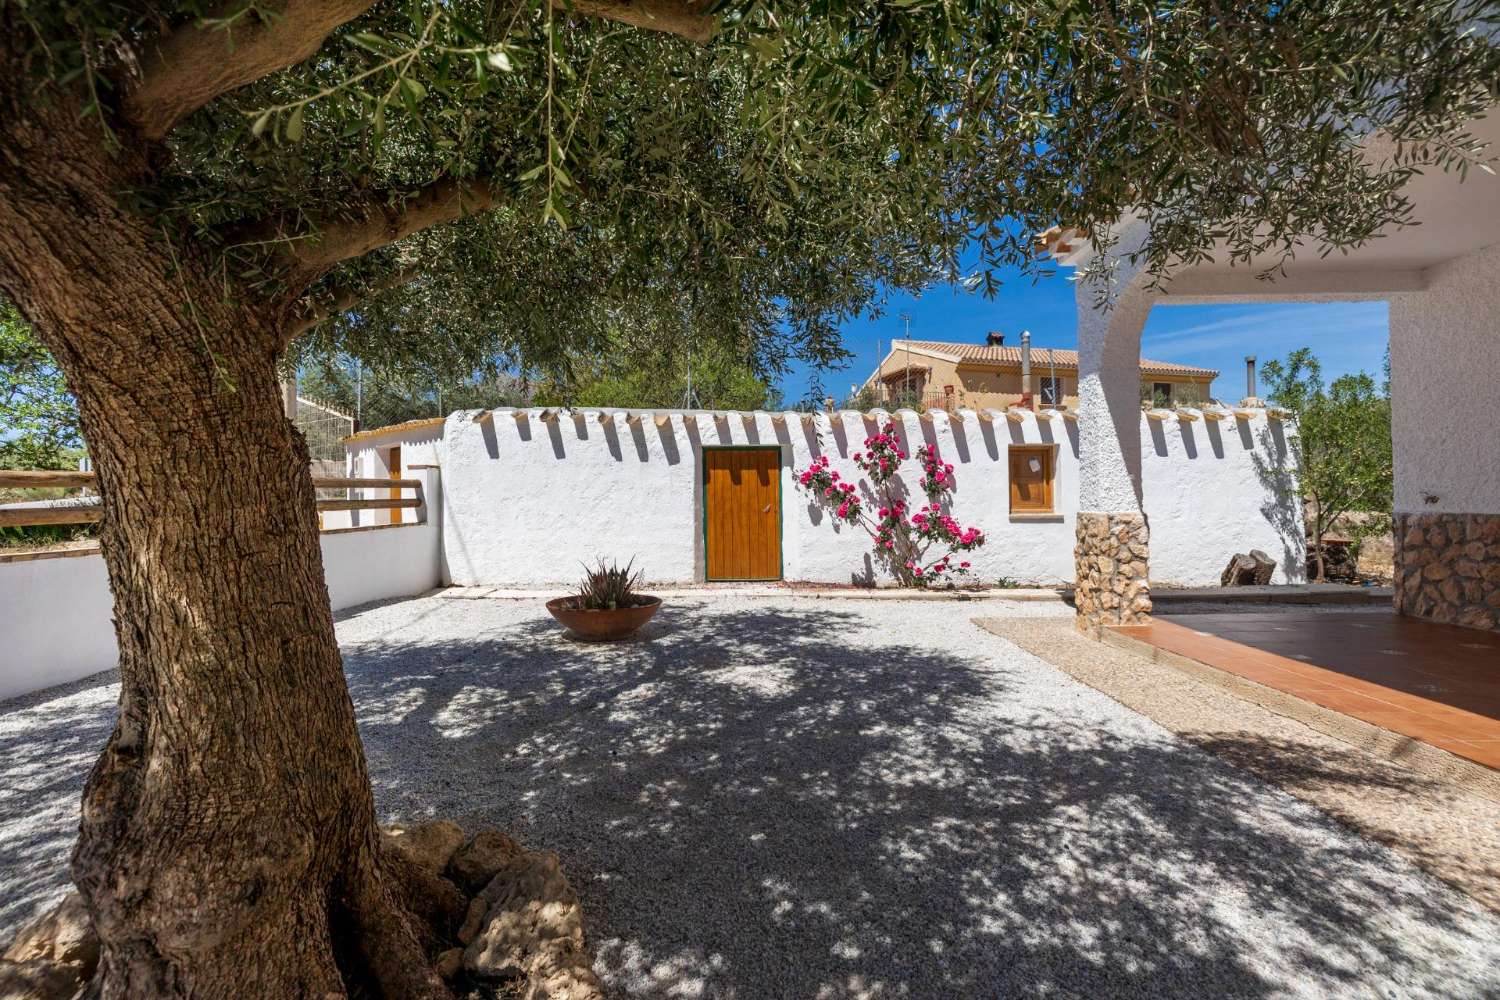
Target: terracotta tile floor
[1436,683]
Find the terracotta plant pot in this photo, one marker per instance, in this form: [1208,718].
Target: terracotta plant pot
[602,626]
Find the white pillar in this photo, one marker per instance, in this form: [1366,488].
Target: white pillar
[1445,381]
[1111,559]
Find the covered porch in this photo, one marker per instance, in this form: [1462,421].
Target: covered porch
[1427,671]
[1441,281]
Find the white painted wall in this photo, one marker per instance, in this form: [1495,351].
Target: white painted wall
[1214,488]
[58,614]
[1445,375]
[58,622]
[526,500]
[535,498]
[365,566]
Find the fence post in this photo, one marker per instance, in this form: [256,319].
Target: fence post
[431,513]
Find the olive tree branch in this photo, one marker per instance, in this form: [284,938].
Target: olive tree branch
[316,308]
[380,221]
[186,68]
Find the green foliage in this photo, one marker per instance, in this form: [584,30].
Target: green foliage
[38,418]
[652,377]
[1342,442]
[38,426]
[45,535]
[380,397]
[609,586]
[863,399]
[1182,394]
[767,185]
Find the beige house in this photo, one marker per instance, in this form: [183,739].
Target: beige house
[987,375]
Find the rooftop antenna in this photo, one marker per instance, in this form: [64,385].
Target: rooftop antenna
[689,397]
[1026,386]
[906,376]
[1057,395]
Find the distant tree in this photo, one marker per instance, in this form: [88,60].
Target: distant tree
[38,418]
[379,396]
[660,378]
[1342,443]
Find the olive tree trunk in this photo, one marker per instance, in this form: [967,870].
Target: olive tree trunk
[228,845]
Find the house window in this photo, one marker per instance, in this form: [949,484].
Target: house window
[1031,475]
[1161,393]
[1052,390]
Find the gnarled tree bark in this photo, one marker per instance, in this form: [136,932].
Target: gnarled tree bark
[228,845]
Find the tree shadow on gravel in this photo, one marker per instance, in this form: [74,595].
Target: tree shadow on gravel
[48,742]
[794,802]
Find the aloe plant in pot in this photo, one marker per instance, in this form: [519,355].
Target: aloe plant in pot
[607,605]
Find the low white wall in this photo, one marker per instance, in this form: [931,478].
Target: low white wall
[58,614]
[365,566]
[1213,488]
[527,499]
[58,622]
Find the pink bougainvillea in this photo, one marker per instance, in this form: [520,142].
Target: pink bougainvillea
[904,541]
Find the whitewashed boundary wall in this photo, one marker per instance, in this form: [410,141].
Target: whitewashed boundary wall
[58,614]
[529,495]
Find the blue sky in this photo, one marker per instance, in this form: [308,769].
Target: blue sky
[1346,337]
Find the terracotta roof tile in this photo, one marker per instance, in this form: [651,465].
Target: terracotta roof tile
[410,425]
[1041,357]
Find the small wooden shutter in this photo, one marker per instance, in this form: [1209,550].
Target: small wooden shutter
[742,513]
[1031,480]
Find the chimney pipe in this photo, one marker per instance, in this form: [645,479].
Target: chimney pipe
[1027,394]
[1250,376]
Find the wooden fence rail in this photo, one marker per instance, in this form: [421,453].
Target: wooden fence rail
[92,510]
[26,517]
[26,479]
[338,482]
[393,504]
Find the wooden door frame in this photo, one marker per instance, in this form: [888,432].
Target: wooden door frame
[393,470]
[1052,449]
[780,510]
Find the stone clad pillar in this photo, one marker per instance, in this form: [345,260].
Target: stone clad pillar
[1112,556]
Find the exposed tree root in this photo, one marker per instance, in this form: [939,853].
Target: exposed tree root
[398,928]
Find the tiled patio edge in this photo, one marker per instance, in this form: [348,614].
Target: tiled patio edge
[1422,758]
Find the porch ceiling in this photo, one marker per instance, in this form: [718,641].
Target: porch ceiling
[1454,217]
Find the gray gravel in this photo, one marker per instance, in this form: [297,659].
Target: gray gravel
[816,798]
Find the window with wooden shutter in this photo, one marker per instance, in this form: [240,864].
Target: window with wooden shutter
[1031,479]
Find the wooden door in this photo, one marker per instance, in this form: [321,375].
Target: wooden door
[395,491]
[742,513]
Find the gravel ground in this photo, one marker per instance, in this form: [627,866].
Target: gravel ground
[818,798]
[1447,830]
